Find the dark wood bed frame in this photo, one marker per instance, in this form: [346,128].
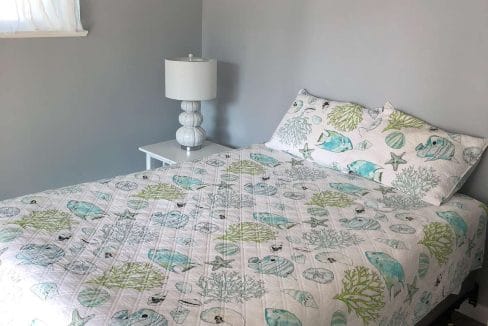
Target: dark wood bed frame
[443,311]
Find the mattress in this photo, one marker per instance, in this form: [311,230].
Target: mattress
[248,237]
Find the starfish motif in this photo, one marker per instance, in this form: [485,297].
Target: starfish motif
[314,222]
[126,215]
[306,152]
[471,245]
[396,160]
[295,162]
[224,185]
[385,190]
[412,290]
[219,262]
[77,320]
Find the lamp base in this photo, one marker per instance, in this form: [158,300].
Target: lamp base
[189,149]
[190,136]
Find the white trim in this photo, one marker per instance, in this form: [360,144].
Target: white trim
[43,34]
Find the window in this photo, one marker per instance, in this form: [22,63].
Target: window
[40,18]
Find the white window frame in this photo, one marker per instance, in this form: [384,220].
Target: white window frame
[45,33]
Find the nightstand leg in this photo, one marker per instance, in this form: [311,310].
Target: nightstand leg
[148,162]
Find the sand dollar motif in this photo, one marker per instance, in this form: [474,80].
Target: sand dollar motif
[137,204]
[319,275]
[227,248]
[215,162]
[6,212]
[207,228]
[293,195]
[224,316]
[402,229]
[229,177]
[126,185]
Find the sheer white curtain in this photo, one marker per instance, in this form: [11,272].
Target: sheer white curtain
[40,16]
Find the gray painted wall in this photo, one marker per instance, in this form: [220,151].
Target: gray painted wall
[429,58]
[77,109]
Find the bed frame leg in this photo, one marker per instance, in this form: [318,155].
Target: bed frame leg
[473,295]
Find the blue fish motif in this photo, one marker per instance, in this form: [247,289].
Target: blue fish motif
[260,188]
[333,141]
[140,317]
[436,148]
[274,265]
[80,267]
[390,269]
[171,260]
[42,255]
[188,183]
[350,189]
[274,220]
[366,170]
[173,219]
[457,223]
[264,159]
[85,210]
[360,223]
[280,317]
[423,306]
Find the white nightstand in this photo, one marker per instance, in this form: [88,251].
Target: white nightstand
[170,152]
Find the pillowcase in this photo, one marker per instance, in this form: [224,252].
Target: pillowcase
[398,150]
[302,125]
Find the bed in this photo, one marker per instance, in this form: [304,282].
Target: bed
[252,236]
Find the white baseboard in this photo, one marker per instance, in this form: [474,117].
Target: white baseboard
[480,312]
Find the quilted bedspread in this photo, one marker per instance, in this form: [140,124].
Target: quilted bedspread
[248,237]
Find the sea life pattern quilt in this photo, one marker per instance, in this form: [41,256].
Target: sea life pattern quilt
[249,237]
[385,145]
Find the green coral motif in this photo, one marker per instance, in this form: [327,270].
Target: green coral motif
[439,240]
[230,287]
[346,117]
[249,231]
[330,199]
[229,198]
[416,182]
[161,191]
[485,208]
[331,239]
[304,173]
[363,293]
[399,201]
[399,120]
[51,221]
[137,276]
[294,131]
[245,167]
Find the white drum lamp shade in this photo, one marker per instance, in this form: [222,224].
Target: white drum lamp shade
[191,80]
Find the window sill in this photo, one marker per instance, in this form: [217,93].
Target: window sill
[43,34]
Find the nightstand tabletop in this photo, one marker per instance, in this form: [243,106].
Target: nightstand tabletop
[170,152]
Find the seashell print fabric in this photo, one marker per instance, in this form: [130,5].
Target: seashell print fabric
[249,237]
[384,145]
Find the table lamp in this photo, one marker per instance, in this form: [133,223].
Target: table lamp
[191,80]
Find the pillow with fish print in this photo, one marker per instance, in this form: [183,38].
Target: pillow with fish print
[299,129]
[388,146]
